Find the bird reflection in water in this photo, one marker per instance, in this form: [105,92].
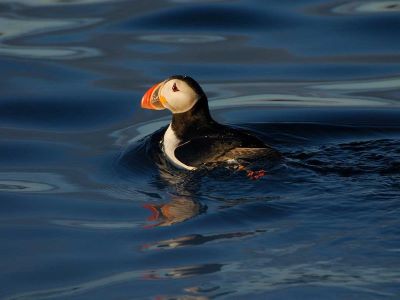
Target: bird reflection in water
[179,209]
[199,239]
[183,206]
[183,272]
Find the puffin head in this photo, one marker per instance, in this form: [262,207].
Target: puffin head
[177,93]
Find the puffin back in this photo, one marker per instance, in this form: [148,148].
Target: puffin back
[222,145]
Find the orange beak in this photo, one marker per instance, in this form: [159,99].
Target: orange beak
[151,99]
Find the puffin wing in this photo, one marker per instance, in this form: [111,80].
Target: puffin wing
[197,152]
[226,144]
[249,154]
[205,149]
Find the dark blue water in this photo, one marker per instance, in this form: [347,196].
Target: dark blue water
[86,214]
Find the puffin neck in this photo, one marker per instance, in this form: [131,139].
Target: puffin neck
[194,121]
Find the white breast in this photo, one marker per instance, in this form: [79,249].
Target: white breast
[171,142]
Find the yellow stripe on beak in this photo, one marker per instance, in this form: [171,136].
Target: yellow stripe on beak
[163,100]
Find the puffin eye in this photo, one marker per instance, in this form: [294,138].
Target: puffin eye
[175,88]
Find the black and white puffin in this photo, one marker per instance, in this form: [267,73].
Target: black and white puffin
[193,138]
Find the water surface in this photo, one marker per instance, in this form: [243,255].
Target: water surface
[81,198]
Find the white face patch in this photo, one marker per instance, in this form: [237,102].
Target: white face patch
[178,95]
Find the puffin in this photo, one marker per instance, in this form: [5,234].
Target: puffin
[193,138]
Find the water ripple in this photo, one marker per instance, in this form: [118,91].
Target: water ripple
[367,7]
[44,3]
[96,225]
[322,273]
[200,17]
[198,239]
[34,182]
[20,186]
[182,38]
[15,28]
[168,273]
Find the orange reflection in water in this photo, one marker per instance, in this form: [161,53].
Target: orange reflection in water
[179,209]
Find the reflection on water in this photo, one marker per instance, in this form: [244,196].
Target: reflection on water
[201,17]
[198,239]
[95,225]
[26,182]
[183,38]
[23,186]
[167,273]
[15,28]
[321,273]
[368,85]
[259,279]
[362,7]
[285,99]
[45,3]
[179,209]
[184,272]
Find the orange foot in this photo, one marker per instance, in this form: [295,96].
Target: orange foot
[254,175]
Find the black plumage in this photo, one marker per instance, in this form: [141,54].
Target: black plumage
[204,141]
